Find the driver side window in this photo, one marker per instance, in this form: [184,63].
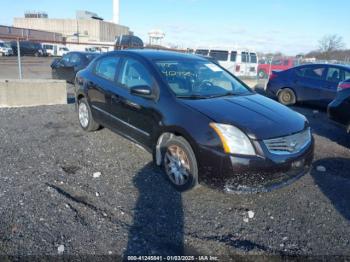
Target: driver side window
[135,74]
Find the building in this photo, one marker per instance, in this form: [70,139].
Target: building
[13,33]
[87,28]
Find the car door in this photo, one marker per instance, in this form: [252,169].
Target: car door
[68,66]
[136,112]
[310,83]
[58,69]
[334,76]
[101,87]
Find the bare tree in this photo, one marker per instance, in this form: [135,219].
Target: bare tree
[331,43]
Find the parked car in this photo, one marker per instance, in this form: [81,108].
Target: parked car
[238,62]
[314,83]
[5,49]
[66,68]
[339,109]
[128,41]
[28,48]
[280,64]
[55,49]
[199,121]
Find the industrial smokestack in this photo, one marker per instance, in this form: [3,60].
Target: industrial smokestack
[116,11]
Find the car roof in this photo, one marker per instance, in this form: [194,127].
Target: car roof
[319,64]
[152,54]
[83,53]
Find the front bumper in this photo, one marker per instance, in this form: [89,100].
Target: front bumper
[240,174]
[7,52]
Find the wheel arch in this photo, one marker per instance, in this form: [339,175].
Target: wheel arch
[164,135]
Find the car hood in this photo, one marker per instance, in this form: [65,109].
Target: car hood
[259,117]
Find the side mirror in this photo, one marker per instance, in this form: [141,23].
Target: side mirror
[143,91]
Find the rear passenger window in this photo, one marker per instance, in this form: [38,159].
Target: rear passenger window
[334,74]
[135,74]
[219,55]
[107,68]
[311,72]
[346,75]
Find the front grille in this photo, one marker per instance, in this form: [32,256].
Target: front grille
[289,144]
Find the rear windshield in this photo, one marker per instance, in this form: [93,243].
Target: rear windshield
[253,58]
[202,52]
[233,56]
[219,55]
[91,57]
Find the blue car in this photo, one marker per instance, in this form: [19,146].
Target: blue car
[314,83]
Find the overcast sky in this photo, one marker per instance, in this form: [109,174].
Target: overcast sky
[289,26]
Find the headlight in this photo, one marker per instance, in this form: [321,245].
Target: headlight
[233,139]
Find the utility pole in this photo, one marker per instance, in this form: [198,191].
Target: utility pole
[19,60]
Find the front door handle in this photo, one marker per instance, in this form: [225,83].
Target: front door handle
[116,99]
[132,104]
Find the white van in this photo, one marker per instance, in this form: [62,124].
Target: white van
[5,49]
[238,62]
[55,49]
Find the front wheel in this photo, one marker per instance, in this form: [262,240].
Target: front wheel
[180,164]
[262,74]
[287,97]
[86,120]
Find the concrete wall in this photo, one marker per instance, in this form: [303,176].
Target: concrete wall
[19,93]
[90,30]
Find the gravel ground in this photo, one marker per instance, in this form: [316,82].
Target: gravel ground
[51,203]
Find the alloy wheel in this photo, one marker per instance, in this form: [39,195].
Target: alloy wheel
[83,115]
[177,165]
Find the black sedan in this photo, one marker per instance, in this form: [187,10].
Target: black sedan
[199,121]
[314,83]
[339,109]
[66,67]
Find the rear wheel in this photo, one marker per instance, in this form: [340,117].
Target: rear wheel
[86,120]
[287,97]
[180,164]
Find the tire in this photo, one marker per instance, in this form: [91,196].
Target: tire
[86,121]
[180,164]
[36,54]
[287,97]
[262,74]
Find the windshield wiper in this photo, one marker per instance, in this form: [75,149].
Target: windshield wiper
[221,95]
[193,97]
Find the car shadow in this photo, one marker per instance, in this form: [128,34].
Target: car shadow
[335,182]
[158,216]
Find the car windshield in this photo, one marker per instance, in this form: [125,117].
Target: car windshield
[90,57]
[197,79]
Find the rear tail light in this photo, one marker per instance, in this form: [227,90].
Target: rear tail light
[272,76]
[238,68]
[344,85]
